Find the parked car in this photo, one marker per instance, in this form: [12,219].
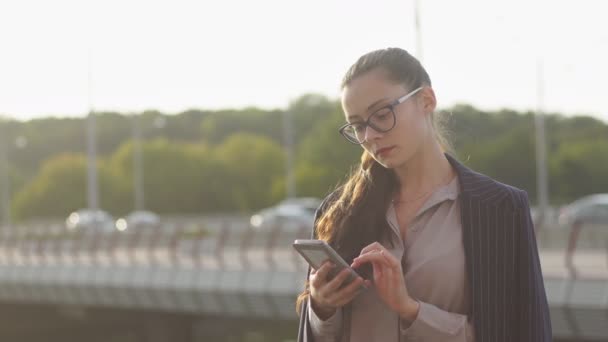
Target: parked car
[550,217]
[592,209]
[138,220]
[291,214]
[90,220]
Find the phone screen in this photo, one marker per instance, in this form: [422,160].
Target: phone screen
[317,257]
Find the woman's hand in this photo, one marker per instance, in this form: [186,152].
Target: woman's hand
[388,280]
[327,295]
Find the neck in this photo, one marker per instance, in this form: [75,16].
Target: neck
[427,169]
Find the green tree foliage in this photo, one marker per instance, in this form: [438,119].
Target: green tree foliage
[580,168]
[252,165]
[60,187]
[325,157]
[234,160]
[510,158]
[219,125]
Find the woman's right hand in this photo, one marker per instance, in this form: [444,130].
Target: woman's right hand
[327,295]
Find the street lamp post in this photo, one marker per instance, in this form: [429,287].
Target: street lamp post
[541,150]
[92,185]
[138,160]
[288,136]
[138,172]
[418,30]
[4,179]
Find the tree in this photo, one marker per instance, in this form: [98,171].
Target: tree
[580,169]
[253,164]
[60,187]
[325,157]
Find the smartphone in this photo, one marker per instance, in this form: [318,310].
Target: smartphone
[316,252]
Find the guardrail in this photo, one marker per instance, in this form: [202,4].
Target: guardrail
[226,267]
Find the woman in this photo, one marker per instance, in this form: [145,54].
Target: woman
[449,254]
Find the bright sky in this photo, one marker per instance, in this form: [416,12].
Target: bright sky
[176,55]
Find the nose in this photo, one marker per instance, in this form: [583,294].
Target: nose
[371,134]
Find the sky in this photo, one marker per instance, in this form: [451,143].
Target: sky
[62,58]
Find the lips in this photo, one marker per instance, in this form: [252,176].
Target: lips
[384,150]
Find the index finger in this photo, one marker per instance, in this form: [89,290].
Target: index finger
[372,246]
[323,270]
[383,257]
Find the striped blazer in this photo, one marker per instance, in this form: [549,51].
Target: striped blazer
[508,300]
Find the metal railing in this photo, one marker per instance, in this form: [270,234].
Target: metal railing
[227,267]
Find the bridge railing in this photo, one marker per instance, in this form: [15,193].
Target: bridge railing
[227,267]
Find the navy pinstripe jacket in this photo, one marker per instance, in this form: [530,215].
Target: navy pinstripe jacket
[507,291]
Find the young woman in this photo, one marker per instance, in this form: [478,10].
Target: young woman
[448,254]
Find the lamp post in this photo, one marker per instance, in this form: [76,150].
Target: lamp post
[138,160]
[541,149]
[418,30]
[92,184]
[288,138]
[19,143]
[4,180]
[138,172]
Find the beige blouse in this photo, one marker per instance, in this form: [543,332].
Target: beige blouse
[433,261]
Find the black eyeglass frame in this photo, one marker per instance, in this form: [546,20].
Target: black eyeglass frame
[368,123]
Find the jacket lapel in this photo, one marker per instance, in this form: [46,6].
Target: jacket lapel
[489,241]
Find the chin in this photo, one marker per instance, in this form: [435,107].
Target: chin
[387,163]
[394,162]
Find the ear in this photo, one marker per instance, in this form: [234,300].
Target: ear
[428,100]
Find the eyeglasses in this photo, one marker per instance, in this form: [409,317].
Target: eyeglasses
[382,121]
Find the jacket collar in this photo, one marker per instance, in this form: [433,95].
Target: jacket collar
[475,186]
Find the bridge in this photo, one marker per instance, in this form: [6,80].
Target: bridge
[222,270]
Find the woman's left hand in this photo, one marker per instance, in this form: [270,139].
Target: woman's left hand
[388,280]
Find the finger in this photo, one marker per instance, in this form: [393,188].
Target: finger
[377,269]
[349,292]
[372,246]
[349,288]
[378,256]
[337,281]
[319,278]
[388,275]
[370,257]
[390,258]
[325,268]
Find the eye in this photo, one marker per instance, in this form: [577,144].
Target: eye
[382,114]
[358,127]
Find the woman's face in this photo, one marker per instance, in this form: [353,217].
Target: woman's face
[372,91]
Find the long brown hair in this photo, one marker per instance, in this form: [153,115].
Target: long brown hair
[356,216]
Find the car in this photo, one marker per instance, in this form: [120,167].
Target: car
[291,214]
[137,220]
[592,209]
[90,220]
[550,217]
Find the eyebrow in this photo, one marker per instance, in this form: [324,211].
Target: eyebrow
[369,107]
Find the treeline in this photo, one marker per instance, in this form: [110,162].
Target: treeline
[234,160]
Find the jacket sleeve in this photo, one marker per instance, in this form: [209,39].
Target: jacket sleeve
[305,332]
[324,331]
[532,307]
[435,324]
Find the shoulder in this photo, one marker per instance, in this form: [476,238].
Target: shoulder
[328,201]
[484,189]
[494,193]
